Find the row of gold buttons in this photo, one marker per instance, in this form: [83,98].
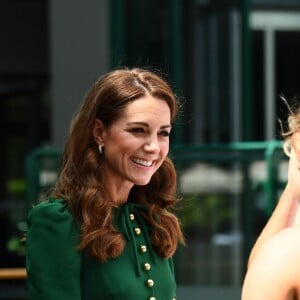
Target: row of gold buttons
[143,249]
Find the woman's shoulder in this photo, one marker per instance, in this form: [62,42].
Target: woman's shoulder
[282,249]
[53,210]
[284,244]
[51,206]
[275,268]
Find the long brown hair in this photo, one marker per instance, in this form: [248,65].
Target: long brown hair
[80,179]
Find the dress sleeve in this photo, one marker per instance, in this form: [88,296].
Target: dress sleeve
[52,261]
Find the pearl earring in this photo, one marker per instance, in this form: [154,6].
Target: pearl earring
[100,149]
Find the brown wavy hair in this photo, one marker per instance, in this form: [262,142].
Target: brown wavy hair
[80,180]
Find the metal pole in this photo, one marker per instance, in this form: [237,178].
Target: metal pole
[269,50]
[247,72]
[235,76]
[117,32]
[177,69]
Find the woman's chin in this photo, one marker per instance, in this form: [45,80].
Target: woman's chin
[142,182]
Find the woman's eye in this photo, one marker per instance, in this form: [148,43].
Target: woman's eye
[137,130]
[165,133]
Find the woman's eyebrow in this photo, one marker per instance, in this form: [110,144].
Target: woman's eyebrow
[147,125]
[166,126]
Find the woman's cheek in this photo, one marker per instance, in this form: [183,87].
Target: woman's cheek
[296,145]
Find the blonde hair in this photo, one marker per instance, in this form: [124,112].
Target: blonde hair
[291,126]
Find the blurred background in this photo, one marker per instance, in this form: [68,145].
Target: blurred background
[229,62]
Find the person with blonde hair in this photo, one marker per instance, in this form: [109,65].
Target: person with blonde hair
[274,262]
[108,230]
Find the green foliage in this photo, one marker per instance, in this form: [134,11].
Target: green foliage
[206,213]
[17,245]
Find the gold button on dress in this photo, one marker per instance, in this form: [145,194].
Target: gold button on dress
[137,231]
[143,248]
[150,283]
[147,266]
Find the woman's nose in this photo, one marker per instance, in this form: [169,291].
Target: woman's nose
[152,145]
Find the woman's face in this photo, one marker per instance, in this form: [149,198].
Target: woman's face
[136,144]
[295,144]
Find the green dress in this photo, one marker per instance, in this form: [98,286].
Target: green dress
[57,271]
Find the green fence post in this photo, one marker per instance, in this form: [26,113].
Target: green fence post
[177,60]
[271,183]
[117,32]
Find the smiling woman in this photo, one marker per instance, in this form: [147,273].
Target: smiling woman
[108,230]
[134,146]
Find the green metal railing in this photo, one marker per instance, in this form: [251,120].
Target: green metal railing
[243,154]
[40,160]
[270,151]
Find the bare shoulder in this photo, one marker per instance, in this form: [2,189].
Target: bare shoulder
[274,273]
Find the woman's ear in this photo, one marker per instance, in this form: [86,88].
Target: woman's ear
[98,132]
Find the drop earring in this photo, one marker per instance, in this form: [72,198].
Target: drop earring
[100,149]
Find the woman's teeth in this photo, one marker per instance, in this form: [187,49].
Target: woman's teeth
[146,163]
